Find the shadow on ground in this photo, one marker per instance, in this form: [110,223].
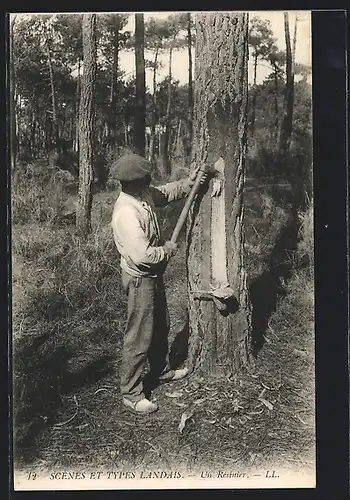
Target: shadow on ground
[266,290]
[37,397]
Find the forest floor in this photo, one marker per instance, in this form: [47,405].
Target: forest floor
[68,318]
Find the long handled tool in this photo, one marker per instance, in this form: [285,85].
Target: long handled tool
[223,296]
[183,216]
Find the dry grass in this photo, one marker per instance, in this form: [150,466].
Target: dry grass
[68,319]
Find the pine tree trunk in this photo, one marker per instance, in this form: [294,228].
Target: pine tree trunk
[77,103]
[140,112]
[166,155]
[252,124]
[219,343]
[55,132]
[287,120]
[154,109]
[275,132]
[177,142]
[188,151]
[86,127]
[114,83]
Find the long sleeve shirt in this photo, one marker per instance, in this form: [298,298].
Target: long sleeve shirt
[136,230]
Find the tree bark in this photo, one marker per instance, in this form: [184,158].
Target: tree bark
[140,114]
[219,343]
[114,83]
[86,128]
[154,109]
[190,91]
[252,124]
[177,141]
[287,120]
[166,155]
[77,104]
[55,132]
[275,132]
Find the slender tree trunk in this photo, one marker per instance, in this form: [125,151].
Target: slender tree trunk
[114,84]
[219,342]
[140,115]
[86,129]
[177,141]
[154,109]
[55,132]
[12,103]
[77,103]
[294,44]
[126,136]
[166,155]
[275,132]
[252,124]
[287,120]
[188,151]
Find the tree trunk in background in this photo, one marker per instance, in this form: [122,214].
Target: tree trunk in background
[151,153]
[219,343]
[287,119]
[77,102]
[188,150]
[140,113]
[294,45]
[275,131]
[114,84]
[177,141]
[55,132]
[252,124]
[87,125]
[166,153]
[12,104]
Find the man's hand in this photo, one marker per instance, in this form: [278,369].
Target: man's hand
[193,175]
[170,249]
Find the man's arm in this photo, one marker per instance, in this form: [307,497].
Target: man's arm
[172,191]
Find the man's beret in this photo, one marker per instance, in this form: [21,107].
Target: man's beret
[130,167]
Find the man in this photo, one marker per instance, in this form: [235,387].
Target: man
[144,257]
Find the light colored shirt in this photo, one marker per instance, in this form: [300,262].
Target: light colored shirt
[136,230]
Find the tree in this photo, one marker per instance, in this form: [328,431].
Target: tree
[188,148]
[287,119]
[219,342]
[112,40]
[176,23]
[155,33]
[140,113]
[263,43]
[86,129]
[277,60]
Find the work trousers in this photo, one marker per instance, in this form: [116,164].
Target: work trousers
[145,335]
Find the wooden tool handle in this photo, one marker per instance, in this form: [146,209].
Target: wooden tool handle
[187,206]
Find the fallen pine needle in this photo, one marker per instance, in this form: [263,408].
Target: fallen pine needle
[184,417]
[71,418]
[266,403]
[102,389]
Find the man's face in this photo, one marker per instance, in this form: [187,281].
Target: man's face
[145,181]
[138,185]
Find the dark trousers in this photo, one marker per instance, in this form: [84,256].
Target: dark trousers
[146,333]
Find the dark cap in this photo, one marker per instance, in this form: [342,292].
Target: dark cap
[130,167]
